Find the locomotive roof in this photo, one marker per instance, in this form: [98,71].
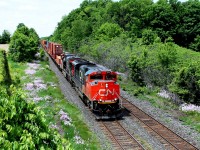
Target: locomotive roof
[95,68]
[79,62]
[71,57]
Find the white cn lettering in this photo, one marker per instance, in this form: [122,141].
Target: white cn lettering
[105,92]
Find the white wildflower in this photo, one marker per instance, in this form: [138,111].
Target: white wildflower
[65,118]
[164,94]
[190,107]
[54,126]
[78,140]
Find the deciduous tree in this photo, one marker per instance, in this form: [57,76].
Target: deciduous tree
[5,38]
[24,44]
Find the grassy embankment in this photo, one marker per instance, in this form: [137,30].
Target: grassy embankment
[75,133]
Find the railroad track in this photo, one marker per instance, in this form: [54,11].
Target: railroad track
[119,136]
[168,138]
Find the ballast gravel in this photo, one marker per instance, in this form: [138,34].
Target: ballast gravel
[131,125]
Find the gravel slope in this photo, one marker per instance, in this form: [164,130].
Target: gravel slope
[149,143]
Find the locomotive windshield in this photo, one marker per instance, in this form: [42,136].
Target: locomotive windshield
[103,77]
[96,77]
[110,77]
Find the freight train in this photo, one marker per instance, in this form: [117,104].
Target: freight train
[96,85]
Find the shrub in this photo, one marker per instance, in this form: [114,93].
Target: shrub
[187,83]
[148,37]
[24,44]
[135,65]
[139,91]
[196,44]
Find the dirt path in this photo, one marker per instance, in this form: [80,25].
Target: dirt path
[4,46]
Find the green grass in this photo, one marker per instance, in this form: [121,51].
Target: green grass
[142,93]
[17,71]
[1,65]
[192,118]
[53,105]
[159,102]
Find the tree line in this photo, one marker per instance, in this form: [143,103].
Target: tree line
[140,38]
[105,19]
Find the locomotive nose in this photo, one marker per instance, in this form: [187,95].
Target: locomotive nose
[108,92]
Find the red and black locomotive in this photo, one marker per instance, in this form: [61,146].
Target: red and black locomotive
[96,85]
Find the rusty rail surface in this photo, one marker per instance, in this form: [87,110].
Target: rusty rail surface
[119,136]
[167,137]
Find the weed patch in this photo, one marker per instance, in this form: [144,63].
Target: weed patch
[192,118]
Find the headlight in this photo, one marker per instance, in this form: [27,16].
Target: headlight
[106,85]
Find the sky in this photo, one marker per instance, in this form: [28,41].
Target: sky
[42,15]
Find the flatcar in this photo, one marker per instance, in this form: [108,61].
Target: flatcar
[96,85]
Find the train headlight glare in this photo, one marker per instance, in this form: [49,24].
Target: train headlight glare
[106,85]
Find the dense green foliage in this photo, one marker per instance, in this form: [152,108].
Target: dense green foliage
[168,66]
[140,34]
[22,124]
[187,83]
[24,44]
[5,37]
[106,19]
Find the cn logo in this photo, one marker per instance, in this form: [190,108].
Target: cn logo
[105,92]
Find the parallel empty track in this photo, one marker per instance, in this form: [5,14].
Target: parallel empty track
[167,137]
[121,139]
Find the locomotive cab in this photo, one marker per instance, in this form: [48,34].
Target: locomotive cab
[102,87]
